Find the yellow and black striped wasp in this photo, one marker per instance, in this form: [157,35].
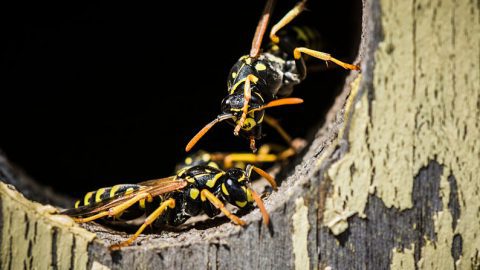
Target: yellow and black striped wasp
[267,153]
[263,80]
[171,201]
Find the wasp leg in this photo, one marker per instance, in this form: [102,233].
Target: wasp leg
[117,209]
[287,153]
[281,153]
[274,123]
[247,95]
[248,158]
[94,217]
[207,195]
[149,220]
[297,54]
[292,150]
[265,149]
[252,144]
[294,12]
[263,155]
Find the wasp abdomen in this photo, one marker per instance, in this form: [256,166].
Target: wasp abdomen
[106,193]
[293,37]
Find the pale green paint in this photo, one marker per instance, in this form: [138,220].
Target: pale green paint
[425,107]
[300,235]
[16,238]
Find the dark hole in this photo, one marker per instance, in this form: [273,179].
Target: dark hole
[343,237]
[100,94]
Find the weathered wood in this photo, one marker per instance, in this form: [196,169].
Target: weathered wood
[390,181]
[33,238]
[410,175]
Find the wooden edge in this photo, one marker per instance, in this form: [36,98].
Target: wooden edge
[32,236]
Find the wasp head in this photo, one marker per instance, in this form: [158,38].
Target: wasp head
[233,104]
[234,188]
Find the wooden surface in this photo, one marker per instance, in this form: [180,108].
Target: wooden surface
[390,181]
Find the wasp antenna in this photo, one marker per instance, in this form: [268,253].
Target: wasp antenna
[205,129]
[261,28]
[261,206]
[265,175]
[279,102]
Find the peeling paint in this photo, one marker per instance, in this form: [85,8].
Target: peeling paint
[425,107]
[392,133]
[33,229]
[351,174]
[98,266]
[434,254]
[300,235]
[403,259]
[339,223]
[437,255]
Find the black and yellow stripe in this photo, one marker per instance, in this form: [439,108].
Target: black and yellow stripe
[106,193]
[309,36]
[297,36]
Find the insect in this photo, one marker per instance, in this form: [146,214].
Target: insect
[172,200]
[267,153]
[263,80]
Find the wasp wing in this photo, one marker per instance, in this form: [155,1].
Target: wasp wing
[153,187]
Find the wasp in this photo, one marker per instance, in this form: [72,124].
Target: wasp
[263,80]
[173,200]
[267,153]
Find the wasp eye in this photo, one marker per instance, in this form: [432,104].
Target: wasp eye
[226,105]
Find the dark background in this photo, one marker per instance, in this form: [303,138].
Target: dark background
[98,94]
